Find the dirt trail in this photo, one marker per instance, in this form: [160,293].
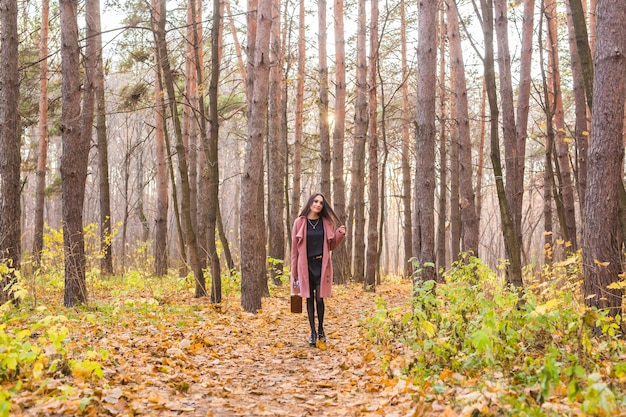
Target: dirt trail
[271,370]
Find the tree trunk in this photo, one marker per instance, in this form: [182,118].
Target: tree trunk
[94,35]
[277,153]
[211,151]
[252,222]
[550,191]
[193,116]
[514,272]
[341,260]
[481,157]
[373,218]
[190,236]
[514,185]
[233,31]
[406,151]
[425,137]
[566,187]
[74,157]
[361,122]
[582,46]
[602,240]
[442,215]
[467,203]
[581,129]
[42,129]
[10,157]
[160,236]
[299,113]
[323,100]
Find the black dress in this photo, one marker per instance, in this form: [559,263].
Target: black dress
[314,250]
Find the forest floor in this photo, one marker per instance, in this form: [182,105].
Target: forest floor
[189,357]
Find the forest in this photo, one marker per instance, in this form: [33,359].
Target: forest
[154,157]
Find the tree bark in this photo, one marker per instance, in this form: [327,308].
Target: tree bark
[325,157]
[277,152]
[74,157]
[252,222]
[406,151]
[211,151]
[581,127]
[10,157]
[42,129]
[467,203]
[442,215]
[160,236]
[94,35]
[341,260]
[372,227]
[602,240]
[299,112]
[190,235]
[583,48]
[356,212]
[514,272]
[425,137]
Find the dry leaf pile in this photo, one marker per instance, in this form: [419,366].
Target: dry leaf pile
[189,357]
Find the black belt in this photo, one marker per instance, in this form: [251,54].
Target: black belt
[315,257]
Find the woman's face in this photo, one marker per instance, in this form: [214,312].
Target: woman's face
[317,205]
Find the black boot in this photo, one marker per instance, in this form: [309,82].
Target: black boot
[313,339]
[321,335]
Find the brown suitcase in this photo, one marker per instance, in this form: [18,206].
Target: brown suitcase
[296,304]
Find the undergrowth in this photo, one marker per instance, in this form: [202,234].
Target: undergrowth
[529,353]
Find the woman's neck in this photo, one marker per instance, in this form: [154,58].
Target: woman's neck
[313,216]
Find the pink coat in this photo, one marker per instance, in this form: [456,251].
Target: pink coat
[299,261]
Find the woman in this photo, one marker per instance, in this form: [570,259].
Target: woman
[313,238]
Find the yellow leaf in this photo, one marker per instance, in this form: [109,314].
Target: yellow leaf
[585,133]
[597,262]
[560,241]
[567,140]
[547,233]
[590,296]
[561,130]
[37,368]
[619,285]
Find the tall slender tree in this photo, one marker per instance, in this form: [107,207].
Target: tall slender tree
[581,126]
[602,240]
[10,158]
[189,233]
[406,150]
[42,130]
[325,156]
[442,208]
[160,236]
[277,151]
[511,245]
[561,148]
[299,112]
[74,158]
[468,202]
[425,137]
[356,212]
[252,222]
[93,32]
[341,261]
[372,264]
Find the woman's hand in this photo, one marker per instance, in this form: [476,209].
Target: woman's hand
[342,229]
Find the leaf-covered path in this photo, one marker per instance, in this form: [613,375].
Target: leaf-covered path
[171,359]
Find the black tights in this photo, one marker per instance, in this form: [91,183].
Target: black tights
[310,309]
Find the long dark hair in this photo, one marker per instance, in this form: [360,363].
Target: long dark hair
[327,210]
